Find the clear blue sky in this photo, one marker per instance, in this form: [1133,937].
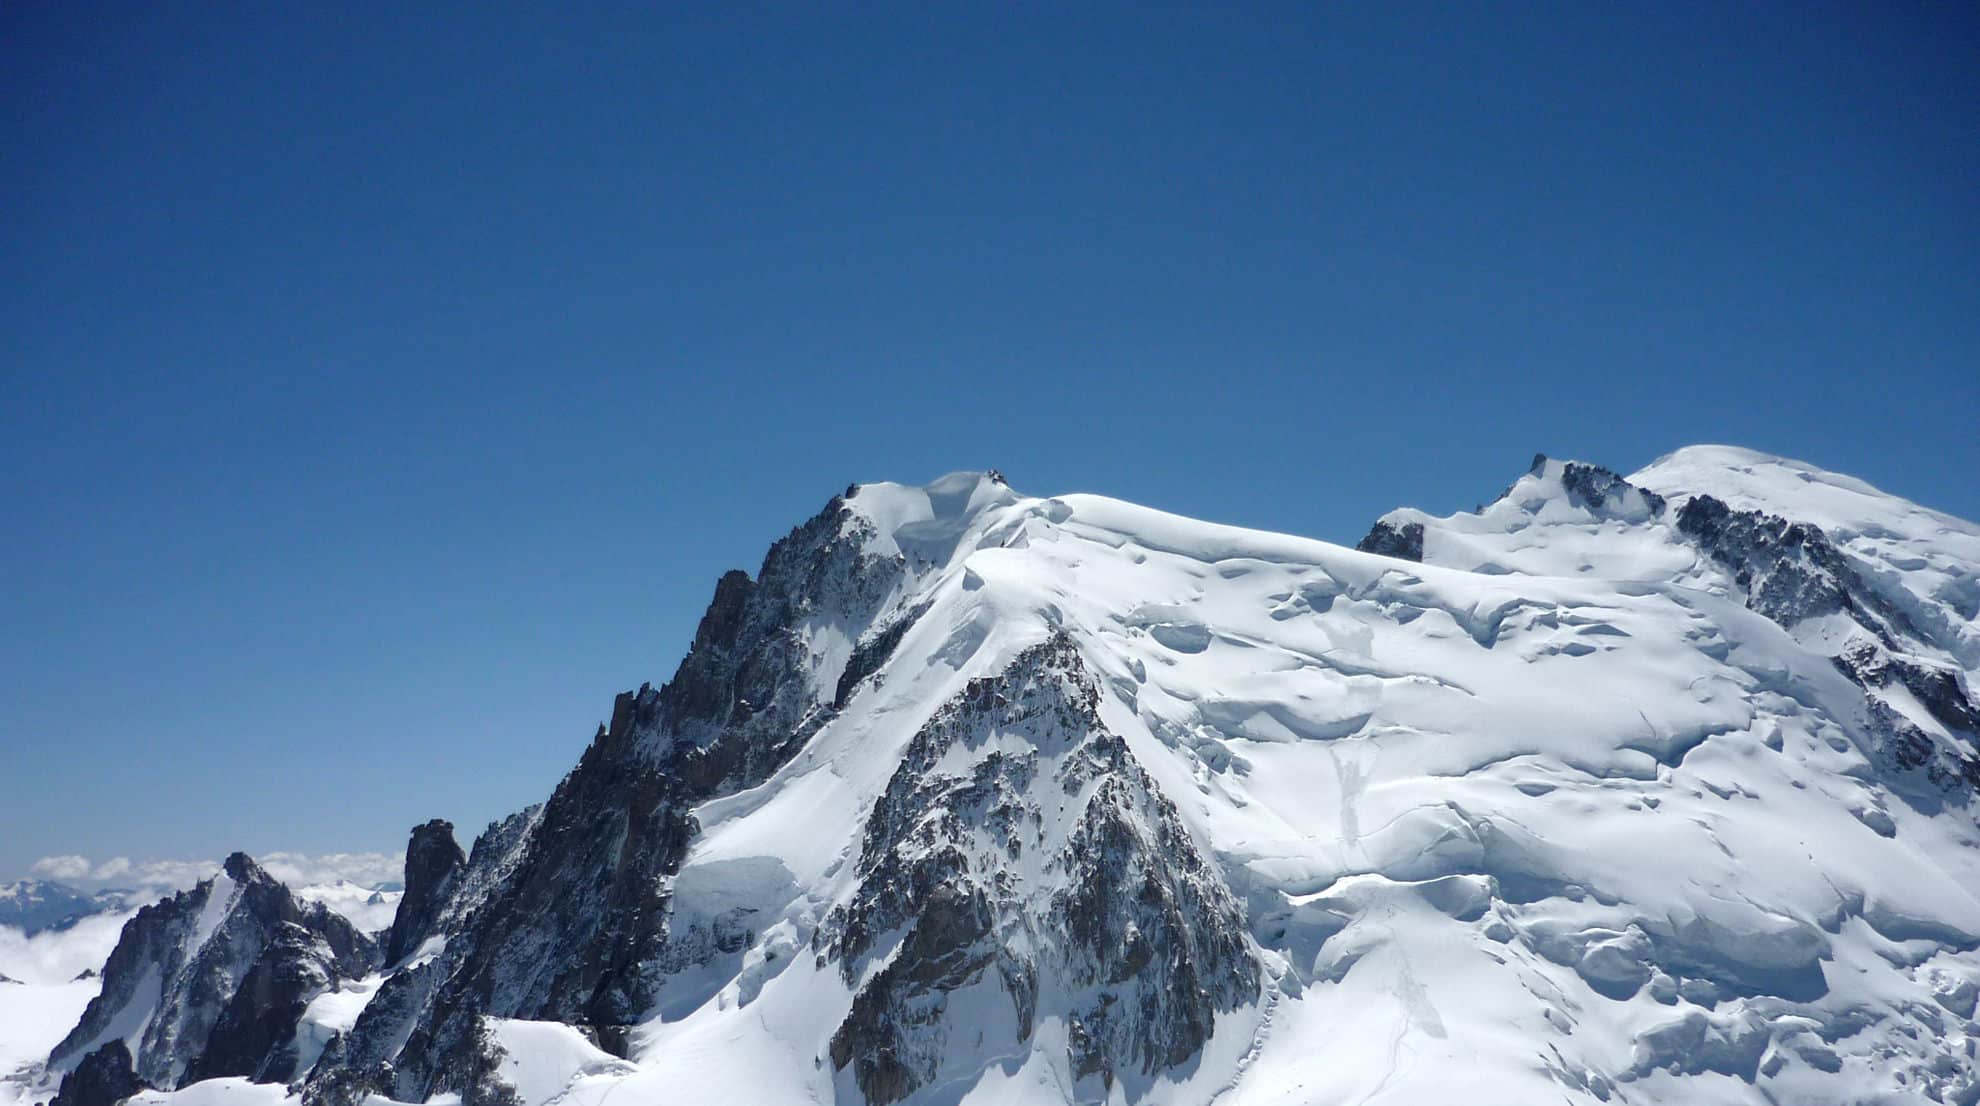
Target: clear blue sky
[381,396]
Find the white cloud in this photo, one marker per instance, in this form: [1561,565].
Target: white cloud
[62,867]
[154,878]
[56,955]
[364,869]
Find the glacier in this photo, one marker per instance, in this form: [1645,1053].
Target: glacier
[1619,789]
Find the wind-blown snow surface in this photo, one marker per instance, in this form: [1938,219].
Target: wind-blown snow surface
[1553,816]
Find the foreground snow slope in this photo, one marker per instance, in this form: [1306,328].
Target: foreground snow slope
[1618,791]
[49,978]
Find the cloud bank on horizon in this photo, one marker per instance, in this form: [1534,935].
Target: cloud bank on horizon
[167,874]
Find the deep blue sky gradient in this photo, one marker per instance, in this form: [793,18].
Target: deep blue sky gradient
[382,394]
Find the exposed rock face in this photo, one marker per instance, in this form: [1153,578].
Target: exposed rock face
[152,942]
[1939,690]
[433,860]
[1124,916]
[104,1078]
[211,981]
[482,1083]
[357,1064]
[255,1035]
[872,652]
[572,923]
[1403,541]
[1792,572]
[1597,489]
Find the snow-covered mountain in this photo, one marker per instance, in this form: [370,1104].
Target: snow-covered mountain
[1645,789]
[213,981]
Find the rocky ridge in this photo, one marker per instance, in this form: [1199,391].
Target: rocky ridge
[1116,917]
[212,982]
[570,921]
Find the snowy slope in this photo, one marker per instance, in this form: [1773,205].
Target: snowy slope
[1607,798]
[51,979]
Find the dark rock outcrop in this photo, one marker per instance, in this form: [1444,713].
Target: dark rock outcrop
[255,1036]
[1940,691]
[482,1083]
[1404,542]
[1598,489]
[153,941]
[1791,571]
[571,922]
[104,1078]
[871,653]
[1125,890]
[1594,489]
[433,860]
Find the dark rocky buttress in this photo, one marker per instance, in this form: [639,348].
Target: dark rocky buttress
[570,922]
[1404,542]
[1128,920]
[1597,489]
[104,1078]
[154,941]
[433,861]
[1790,571]
[255,1034]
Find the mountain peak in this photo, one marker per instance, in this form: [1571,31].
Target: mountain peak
[241,868]
[973,797]
[926,521]
[213,981]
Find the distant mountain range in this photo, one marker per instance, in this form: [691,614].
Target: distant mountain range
[36,905]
